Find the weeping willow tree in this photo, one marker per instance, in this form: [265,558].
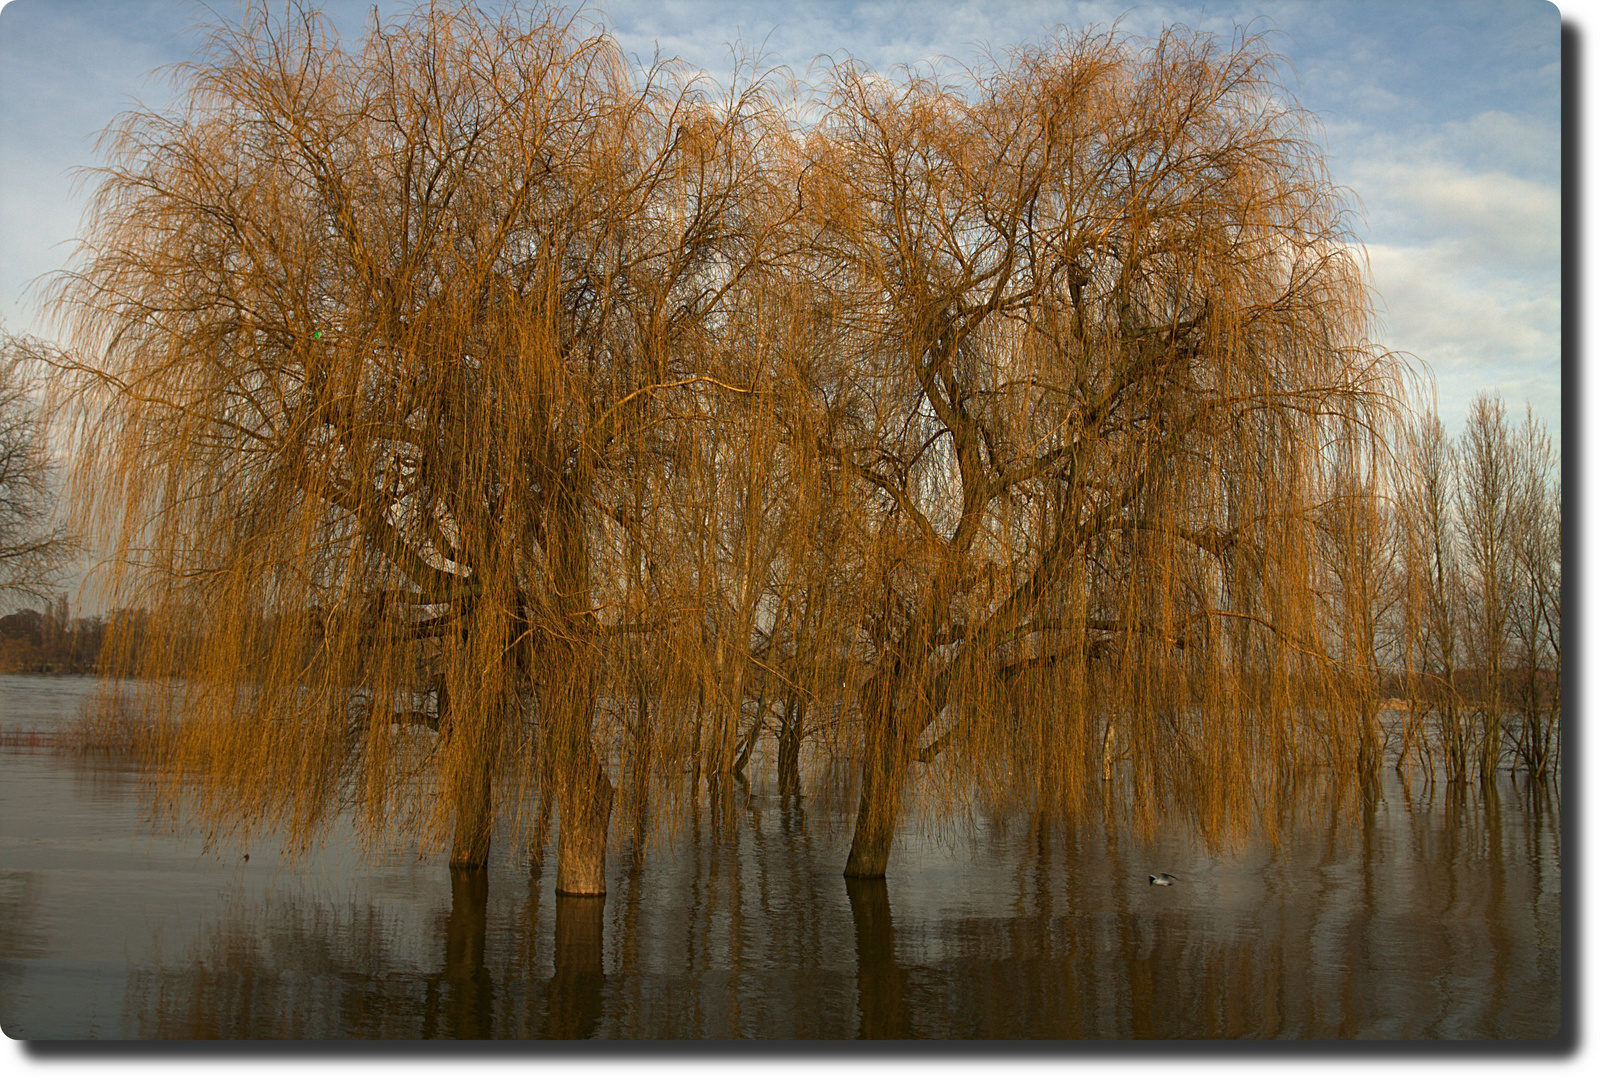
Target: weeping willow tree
[1103,355]
[481,418]
[385,341]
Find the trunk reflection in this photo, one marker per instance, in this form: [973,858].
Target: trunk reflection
[880,983]
[467,991]
[574,995]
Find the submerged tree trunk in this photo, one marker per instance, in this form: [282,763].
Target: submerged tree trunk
[789,743]
[583,791]
[472,792]
[581,835]
[639,771]
[883,784]
[886,762]
[475,819]
[541,834]
[1370,748]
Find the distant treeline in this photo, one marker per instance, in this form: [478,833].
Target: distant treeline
[53,641]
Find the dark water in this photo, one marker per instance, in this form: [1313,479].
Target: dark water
[1429,913]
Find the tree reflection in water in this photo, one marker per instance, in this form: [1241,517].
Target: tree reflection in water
[880,983]
[1407,911]
[462,999]
[573,1000]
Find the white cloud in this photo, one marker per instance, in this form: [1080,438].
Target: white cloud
[883,35]
[1496,334]
[1508,226]
[1463,228]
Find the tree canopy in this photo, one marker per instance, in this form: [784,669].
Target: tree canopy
[486,421]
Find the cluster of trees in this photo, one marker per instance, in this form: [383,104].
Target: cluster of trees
[516,430]
[57,642]
[50,640]
[1474,607]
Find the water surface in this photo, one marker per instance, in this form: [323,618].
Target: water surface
[1431,913]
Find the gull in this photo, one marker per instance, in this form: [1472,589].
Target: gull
[1163,879]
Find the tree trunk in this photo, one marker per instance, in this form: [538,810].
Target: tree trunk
[541,834]
[581,834]
[475,822]
[885,766]
[639,767]
[789,744]
[1370,746]
[583,791]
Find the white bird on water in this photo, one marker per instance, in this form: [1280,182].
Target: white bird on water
[1163,879]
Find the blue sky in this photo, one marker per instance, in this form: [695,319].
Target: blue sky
[1443,118]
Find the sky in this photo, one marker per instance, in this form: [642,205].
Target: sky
[1441,118]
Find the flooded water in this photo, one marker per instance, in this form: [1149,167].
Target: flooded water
[1433,913]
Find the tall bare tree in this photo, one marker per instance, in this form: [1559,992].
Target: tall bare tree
[34,547]
[1431,557]
[1485,507]
[1535,614]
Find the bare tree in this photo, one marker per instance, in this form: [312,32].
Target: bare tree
[1431,557]
[33,545]
[1482,568]
[1485,508]
[1535,614]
